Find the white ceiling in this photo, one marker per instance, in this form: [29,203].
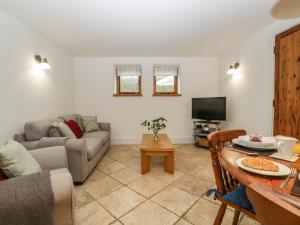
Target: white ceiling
[143,27]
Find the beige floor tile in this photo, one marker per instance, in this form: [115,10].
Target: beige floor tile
[248,221]
[192,184]
[116,223]
[106,159]
[133,162]
[126,158]
[147,185]
[110,167]
[102,187]
[193,176]
[121,201]
[204,213]
[204,172]
[175,200]
[93,214]
[82,197]
[95,175]
[149,213]
[127,175]
[185,165]
[116,155]
[160,174]
[183,222]
[134,152]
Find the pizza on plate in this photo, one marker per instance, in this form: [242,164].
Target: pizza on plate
[260,164]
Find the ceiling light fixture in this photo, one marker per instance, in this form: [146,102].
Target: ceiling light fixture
[42,62]
[233,69]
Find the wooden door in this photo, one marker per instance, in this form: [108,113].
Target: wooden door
[287,83]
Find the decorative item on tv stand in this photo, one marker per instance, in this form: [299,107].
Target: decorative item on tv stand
[201,130]
[155,126]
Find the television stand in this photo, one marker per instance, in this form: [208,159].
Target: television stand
[202,128]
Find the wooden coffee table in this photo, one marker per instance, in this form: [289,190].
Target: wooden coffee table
[164,148]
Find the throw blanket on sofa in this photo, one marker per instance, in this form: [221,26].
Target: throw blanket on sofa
[27,200]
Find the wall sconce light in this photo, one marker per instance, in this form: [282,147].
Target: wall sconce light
[42,62]
[233,69]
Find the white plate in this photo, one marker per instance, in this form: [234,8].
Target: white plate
[268,143]
[283,170]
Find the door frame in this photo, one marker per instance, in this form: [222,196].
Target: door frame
[277,71]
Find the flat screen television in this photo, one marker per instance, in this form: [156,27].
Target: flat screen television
[209,108]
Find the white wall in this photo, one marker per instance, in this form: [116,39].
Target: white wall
[250,92]
[94,95]
[25,95]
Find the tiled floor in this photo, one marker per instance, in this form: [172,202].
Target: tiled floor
[116,193]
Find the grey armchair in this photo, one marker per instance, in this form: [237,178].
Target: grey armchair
[54,159]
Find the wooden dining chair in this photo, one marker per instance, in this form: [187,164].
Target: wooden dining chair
[225,182]
[270,208]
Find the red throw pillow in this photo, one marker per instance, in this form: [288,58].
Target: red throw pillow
[74,128]
[2,175]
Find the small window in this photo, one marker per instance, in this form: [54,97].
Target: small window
[128,80]
[165,80]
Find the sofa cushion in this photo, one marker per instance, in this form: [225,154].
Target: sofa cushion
[53,132]
[15,160]
[93,146]
[35,130]
[64,129]
[90,124]
[76,117]
[75,128]
[2,175]
[103,135]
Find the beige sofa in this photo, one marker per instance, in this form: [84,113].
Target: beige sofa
[83,154]
[55,160]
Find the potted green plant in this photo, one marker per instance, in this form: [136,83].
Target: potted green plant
[155,126]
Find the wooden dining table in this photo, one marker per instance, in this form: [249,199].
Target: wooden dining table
[228,157]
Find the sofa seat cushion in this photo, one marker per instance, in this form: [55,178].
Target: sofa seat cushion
[103,135]
[93,146]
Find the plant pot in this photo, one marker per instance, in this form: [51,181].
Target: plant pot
[155,137]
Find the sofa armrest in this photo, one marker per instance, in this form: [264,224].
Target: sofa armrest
[104,126]
[46,142]
[64,198]
[77,158]
[20,137]
[51,158]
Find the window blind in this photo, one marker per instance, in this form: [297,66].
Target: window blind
[165,70]
[128,70]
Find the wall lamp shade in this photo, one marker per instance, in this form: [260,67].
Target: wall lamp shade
[232,69]
[42,62]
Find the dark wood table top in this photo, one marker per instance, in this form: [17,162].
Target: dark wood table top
[229,155]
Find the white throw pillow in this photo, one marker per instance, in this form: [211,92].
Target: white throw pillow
[64,129]
[15,160]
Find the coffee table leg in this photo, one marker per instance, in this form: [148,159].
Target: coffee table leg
[145,163]
[169,163]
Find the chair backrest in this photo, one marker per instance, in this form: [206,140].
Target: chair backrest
[224,181]
[271,209]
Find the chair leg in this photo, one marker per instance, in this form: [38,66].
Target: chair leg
[220,215]
[236,217]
